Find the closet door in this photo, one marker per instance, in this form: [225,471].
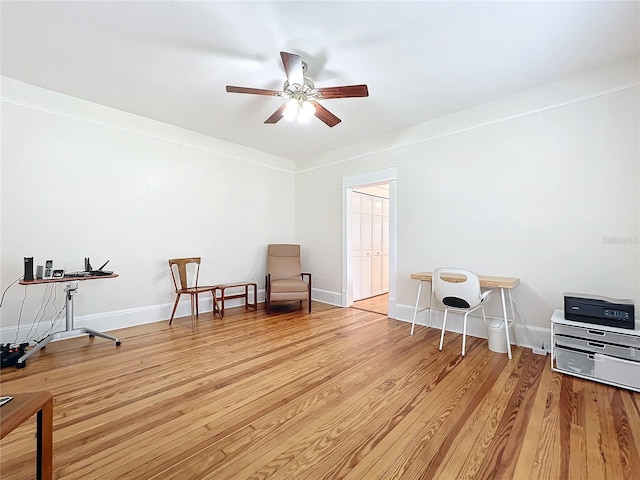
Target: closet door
[366,226]
[369,245]
[376,246]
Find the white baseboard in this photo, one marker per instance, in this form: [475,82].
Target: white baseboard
[476,328]
[325,296]
[114,320]
[117,319]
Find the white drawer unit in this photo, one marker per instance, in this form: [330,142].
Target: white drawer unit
[596,352]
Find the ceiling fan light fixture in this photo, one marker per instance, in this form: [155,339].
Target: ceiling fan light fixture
[306,112]
[299,109]
[291,110]
[303,94]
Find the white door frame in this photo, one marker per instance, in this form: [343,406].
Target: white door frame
[388,175]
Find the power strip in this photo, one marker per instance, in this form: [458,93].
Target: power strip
[539,351]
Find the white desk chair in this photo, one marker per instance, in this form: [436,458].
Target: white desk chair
[459,290]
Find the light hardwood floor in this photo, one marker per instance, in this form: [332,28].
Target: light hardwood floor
[337,394]
[377,304]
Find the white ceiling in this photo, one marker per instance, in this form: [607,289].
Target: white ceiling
[171,60]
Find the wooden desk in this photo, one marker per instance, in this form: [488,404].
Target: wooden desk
[70,330]
[243,294]
[485,281]
[19,410]
[38,281]
[505,284]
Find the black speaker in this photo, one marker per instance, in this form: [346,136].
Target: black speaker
[28,269]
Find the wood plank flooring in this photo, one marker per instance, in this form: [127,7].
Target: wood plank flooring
[377,304]
[335,394]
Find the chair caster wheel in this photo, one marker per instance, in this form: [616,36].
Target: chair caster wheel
[118,343]
[91,335]
[21,364]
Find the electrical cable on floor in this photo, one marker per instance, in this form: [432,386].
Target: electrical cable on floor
[55,315]
[43,308]
[526,328]
[55,320]
[5,290]
[20,315]
[2,301]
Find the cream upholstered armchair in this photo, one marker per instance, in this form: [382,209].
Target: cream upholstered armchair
[285,280]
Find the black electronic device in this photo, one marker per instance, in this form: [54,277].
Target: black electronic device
[100,273]
[10,354]
[599,310]
[28,269]
[48,269]
[96,273]
[76,274]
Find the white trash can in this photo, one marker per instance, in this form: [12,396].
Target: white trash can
[496,336]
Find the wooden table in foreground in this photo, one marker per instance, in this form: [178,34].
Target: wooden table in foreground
[503,283]
[19,410]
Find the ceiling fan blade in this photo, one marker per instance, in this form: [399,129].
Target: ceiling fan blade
[325,115]
[277,115]
[254,91]
[345,91]
[293,67]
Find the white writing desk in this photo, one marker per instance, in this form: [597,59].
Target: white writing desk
[503,283]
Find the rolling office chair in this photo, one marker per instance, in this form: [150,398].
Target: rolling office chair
[186,283]
[459,290]
[285,279]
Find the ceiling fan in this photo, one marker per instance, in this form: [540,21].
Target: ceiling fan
[303,94]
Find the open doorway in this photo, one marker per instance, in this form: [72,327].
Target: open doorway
[380,181]
[370,247]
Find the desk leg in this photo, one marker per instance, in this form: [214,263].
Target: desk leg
[44,442]
[415,310]
[513,317]
[429,306]
[216,305]
[506,321]
[39,445]
[193,306]
[37,347]
[255,296]
[70,330]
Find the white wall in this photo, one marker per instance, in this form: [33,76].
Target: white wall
[542,186]
[80,179]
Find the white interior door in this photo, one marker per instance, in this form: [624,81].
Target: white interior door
[366,227]
[376,247]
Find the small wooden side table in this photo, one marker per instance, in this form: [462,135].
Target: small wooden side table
[243,294]
[19,410]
